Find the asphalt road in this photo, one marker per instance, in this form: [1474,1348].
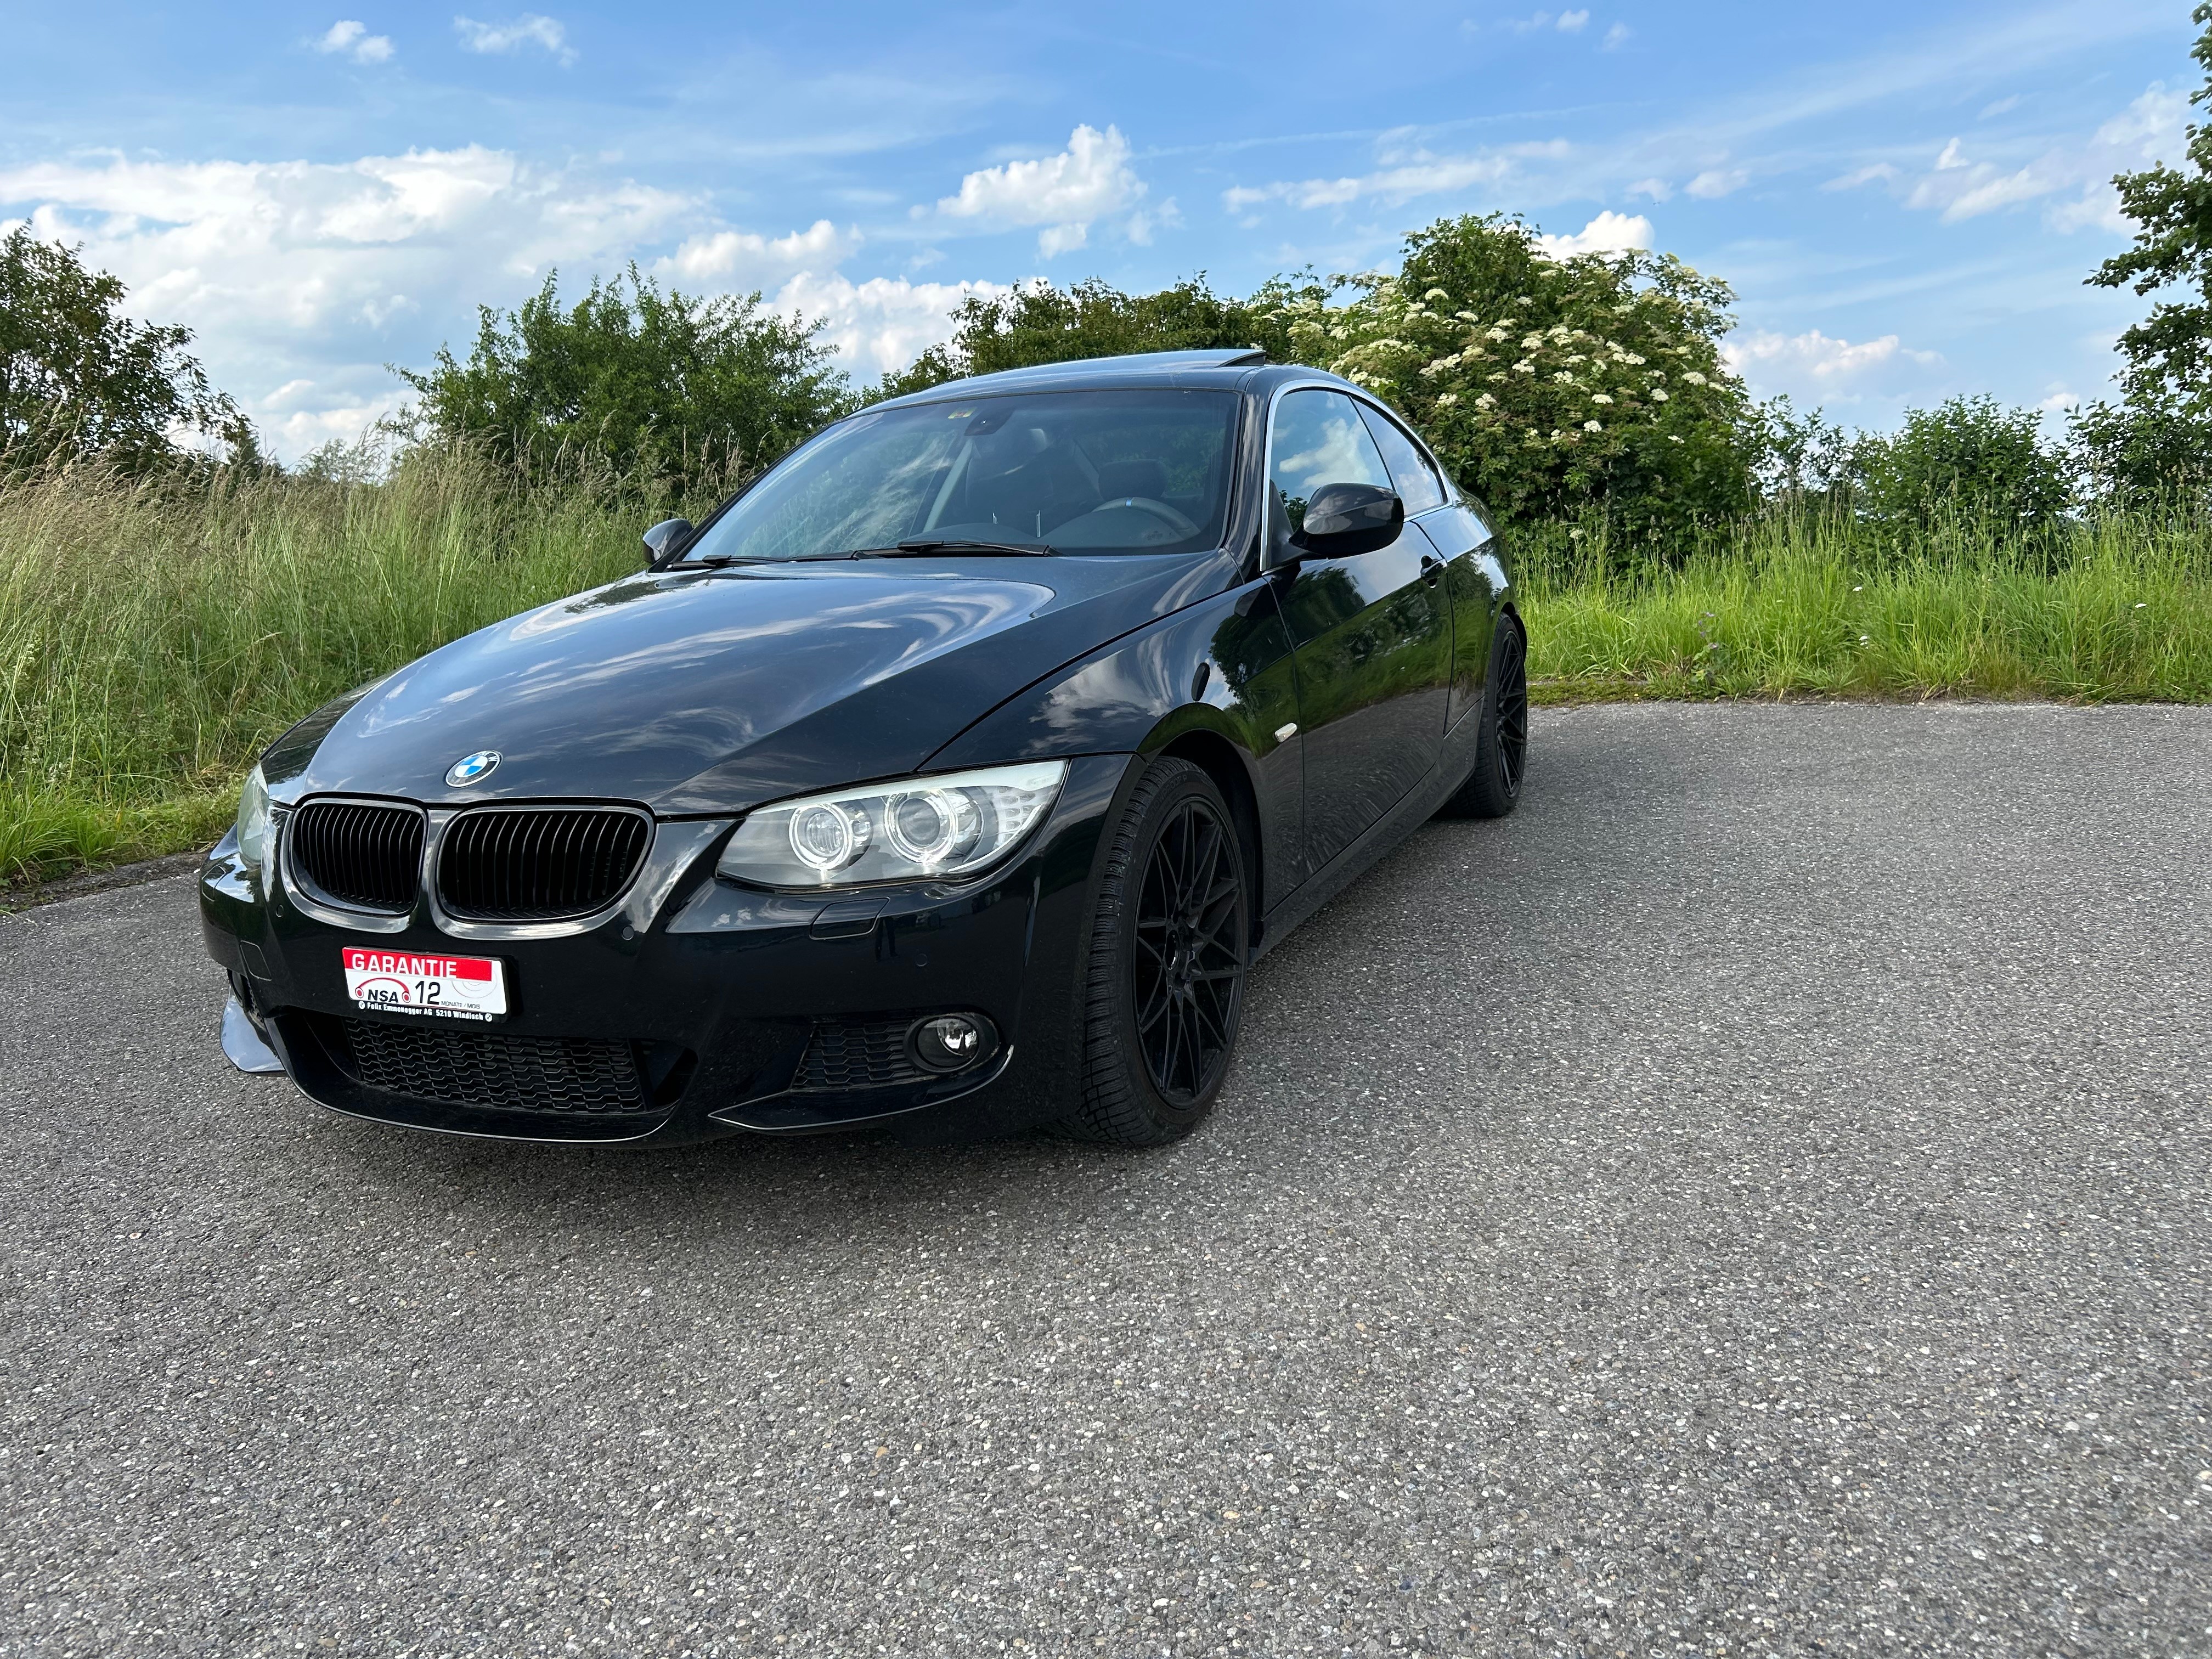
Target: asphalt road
[1755,1201]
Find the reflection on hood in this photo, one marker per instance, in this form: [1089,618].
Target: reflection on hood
[705,692]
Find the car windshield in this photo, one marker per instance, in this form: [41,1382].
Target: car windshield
[1104,472]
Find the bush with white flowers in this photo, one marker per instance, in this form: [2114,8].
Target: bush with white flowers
[1553,388]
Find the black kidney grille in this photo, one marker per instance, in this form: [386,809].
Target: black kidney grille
[539,863]
[504,1073]
[369,857]
[870,1056]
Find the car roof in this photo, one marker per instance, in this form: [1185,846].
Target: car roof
[1228,369]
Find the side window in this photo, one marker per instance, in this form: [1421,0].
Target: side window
[1415,480]
[1320,440]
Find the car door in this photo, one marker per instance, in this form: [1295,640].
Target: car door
[1370,635]
[1462,536]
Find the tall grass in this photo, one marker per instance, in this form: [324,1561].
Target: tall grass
[154,636]
[2105,610]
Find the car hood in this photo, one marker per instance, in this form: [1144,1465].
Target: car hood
[708,692]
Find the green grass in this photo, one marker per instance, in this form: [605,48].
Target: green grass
[152,639]
[2120,610]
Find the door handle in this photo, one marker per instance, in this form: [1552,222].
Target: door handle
[1432,568]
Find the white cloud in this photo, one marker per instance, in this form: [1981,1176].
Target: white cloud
[1145,220]
[352,37]
[1867,175]
[1417,173]
[2000,107]
[292,270]
[1609,233]
[1814,358]
[530,29]
[1065,193]
[1657,189]
[885,323]
[1617,36]
[304,415]
[740,259]
[1716,182]
[1567,22]
[1055,240]
[1961,187]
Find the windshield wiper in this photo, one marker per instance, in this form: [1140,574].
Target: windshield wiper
[722,560]
[962,544]
[913,545]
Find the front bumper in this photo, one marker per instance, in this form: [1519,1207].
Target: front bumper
[722,996]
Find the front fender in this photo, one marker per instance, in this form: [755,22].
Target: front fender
[1222,667]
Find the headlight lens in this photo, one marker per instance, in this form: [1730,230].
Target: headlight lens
[917,830]
[254,820]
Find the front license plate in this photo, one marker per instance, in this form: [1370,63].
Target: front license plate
[434,987]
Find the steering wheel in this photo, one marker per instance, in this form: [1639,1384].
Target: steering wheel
[1160,509]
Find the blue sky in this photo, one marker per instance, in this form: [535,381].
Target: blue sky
[1905,197]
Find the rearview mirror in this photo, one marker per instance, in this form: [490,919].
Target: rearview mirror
[665,537]
[1350,517]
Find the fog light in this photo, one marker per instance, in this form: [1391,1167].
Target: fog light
[951,1042]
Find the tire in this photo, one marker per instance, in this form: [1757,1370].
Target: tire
[1163,991]
[1501,751]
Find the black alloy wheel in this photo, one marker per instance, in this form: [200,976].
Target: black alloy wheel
[1501,752]
[1169,951]
[1511,681]
[1188,964]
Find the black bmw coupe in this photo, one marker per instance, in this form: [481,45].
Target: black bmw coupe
[954,773]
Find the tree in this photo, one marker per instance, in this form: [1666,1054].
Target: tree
[1966,460]
[78,379]
[2143,454]
[667,390]
[2169,351]
[1804,460]
[1553,388]
[2157,439]
[1041,323]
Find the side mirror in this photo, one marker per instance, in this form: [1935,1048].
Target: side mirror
[1350,517]
[665,537]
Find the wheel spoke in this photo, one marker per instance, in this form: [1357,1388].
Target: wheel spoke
[1218,915]
[1193,1046]
[1185,827]
[1189,966]
[1203,866]
[1225,951]
[1158,1004]
[1220,1031]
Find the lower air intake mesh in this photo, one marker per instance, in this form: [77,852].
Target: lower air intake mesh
[503,1073]
[870,1056]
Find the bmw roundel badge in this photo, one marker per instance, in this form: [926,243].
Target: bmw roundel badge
[472,768]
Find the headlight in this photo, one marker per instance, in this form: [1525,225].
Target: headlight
[254,820]
[917,830]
